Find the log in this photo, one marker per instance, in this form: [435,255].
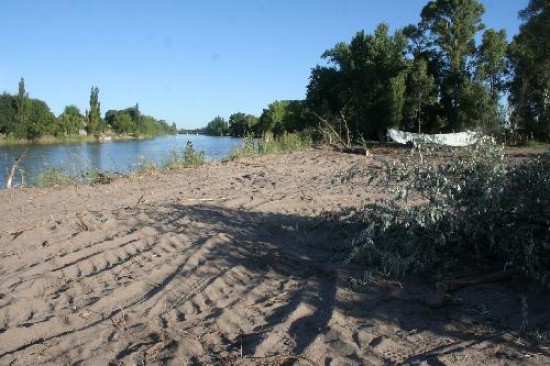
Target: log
[351,149]
[460,283]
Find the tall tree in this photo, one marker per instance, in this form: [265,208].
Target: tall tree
[94,115]
[273,117]
[491,64]
[217,127]
[529,54]
[22,108]
[449,28]
[241,124]
[71,120]
[420,94]
[364,84]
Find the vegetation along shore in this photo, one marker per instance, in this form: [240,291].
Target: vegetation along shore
[316,242]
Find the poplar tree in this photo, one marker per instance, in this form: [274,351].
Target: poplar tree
[94,115]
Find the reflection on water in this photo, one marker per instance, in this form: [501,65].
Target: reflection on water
[113,156]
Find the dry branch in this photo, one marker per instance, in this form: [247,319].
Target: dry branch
[342,142]
[14,167]
[460,283]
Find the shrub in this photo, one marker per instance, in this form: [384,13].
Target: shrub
[248,148]
[54,177]
[284,144]
[190,158]
[454,210]
[95,176]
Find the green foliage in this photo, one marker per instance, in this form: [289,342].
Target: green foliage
[22,117]
[453,210]
[120,121]
[241,124]
[94,116]
[420,95]
[131,121]
[365,82]
[285,143]
[217,127]
[271,144]
[492,61]
[22,104]
[54,177]
[445,84]
[249,147]
[95,176]
[272,118]
[190,158]
[70,121]
[529,54]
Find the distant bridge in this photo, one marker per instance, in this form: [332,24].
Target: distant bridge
[191,132]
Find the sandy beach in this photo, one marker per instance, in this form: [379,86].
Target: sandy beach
[234,264]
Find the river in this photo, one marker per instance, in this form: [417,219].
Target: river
[107,156]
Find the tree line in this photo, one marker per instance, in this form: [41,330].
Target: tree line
[431,77]
[279,117]
[22,117]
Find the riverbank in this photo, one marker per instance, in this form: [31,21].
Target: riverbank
[72,139]
[233,263]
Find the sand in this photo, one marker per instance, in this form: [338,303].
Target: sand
[231,263]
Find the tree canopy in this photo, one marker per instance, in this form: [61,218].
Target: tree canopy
[23,117]
[529,55]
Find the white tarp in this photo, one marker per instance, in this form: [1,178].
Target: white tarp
[449,139]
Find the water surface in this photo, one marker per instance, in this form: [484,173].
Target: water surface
[112,156]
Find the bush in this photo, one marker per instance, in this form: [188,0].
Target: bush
[95,176]
[284,144]
[461,210]
[190,158]
[54,177]
[248,148]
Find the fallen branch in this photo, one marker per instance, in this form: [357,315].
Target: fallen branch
[342,142]
[14,167]
[206,199]
[457,284]
[284,358]
[351,149]
[140,200]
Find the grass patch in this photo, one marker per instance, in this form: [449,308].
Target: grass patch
[284,144]
[54,177]
[96,176]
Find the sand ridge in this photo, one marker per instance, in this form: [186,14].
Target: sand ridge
[227,264]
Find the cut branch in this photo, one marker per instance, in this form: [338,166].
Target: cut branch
[342,142]
[14,167]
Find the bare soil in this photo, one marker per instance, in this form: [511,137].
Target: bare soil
[232,264]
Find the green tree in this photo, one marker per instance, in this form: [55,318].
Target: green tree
[421,94]
[120,121]
[448,29]
[8,108]
[491,64]
[40,120]
[272,119]
[71,120]
[22,103]
[364,84]
[94,115]
[529,54]
[241,124]
[217,127]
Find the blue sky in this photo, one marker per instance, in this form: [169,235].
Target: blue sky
[188,61]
